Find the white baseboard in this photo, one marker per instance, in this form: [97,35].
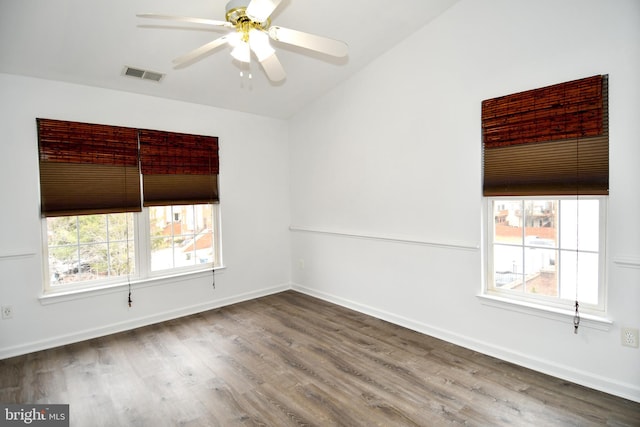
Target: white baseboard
[587,379]
[127,325]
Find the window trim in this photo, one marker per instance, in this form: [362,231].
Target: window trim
[88,292]
[142,264]
[539,303]
[587,319]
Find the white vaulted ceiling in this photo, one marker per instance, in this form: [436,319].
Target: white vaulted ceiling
[90,43]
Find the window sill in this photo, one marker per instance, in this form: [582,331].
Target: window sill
[58,296]
[565,316]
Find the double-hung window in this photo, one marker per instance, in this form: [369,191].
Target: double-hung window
[102,249]
[122,204]
[545,168]
[540,249]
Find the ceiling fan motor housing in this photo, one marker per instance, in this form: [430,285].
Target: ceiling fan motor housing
[236,13]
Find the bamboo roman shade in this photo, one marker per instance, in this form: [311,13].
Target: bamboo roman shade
[87,168]
[178,168]
[94,169]
[548,141]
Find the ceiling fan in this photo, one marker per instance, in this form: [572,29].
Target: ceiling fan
[250,29]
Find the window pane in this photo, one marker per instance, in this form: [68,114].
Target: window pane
[99,263]
[204,247]
[587,268]
[582,216]
[120,260]
[62,230]
[92,228]
[507,266]
[93,261]
[540,271]
[184,255]
[120,227]
[182,236]
[161,253]
[61,261]
[508,219]
[540,223]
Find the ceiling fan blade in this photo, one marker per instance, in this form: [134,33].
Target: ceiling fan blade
[200,52]
[261,10]
[309,41]
[273,68]
[259,44]
[211,22]
[180,27]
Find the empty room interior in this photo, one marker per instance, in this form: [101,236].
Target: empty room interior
[261,212]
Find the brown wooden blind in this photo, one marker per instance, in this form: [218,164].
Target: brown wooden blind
[87,168]
[178,168]
[548,141]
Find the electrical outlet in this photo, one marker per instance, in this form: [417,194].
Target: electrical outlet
[630,337]
[7,312]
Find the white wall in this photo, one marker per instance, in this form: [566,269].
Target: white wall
[385,190]
[254,192]
[386,181]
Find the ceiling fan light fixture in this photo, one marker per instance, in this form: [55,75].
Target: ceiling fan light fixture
[241,52]
[234,39]
[259,43]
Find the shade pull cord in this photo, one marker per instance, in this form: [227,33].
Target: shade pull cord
[211,197]
[576,316]
[129,300]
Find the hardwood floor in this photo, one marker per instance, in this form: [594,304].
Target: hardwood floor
[290,359]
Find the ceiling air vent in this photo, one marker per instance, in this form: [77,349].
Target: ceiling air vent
[143,74]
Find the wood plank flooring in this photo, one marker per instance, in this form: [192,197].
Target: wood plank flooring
[293,360]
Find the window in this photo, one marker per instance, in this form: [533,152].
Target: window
[90,247]
[122,204]
[182,236]
[548,251]
[545,179]
[94,250]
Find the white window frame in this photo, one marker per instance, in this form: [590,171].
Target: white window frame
[537,303]
[143,274]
